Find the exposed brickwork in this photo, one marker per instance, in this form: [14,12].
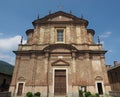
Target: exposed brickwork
[37,60]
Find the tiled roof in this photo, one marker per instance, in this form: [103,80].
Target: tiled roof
[114,67]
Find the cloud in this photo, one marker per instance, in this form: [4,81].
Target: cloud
[11,43]
[103,36]
[7,45]
[106,34]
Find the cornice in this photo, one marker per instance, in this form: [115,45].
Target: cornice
[49,51]
[46,19]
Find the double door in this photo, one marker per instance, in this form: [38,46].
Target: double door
[60,82]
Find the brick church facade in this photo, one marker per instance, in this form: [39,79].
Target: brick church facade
[60,58]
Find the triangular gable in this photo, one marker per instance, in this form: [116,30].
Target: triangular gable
[60,16]
[60,62]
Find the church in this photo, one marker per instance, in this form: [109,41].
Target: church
[59,59]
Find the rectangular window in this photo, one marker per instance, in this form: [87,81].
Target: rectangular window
[60,36]
[83,88]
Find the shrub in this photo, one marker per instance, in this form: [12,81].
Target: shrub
[37,94]
[92,95]
[87,94]
[34,96]
[29,94]
[97,95]
[80,93]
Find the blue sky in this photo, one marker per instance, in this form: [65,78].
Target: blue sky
[16,17]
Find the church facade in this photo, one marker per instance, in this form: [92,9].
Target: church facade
[60,58]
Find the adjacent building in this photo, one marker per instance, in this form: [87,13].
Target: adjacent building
[114,76]
[60,58]
[6,71]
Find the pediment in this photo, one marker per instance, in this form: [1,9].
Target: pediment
[60,48]
[60,62]
[98,78]
[21,78]
[61,18]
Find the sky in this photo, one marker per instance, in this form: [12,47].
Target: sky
[16,16]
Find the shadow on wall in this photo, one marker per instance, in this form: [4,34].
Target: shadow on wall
[5,94]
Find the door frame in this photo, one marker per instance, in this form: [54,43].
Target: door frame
[97,86]
[66,78]
[18,85]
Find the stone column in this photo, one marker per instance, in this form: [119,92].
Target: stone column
[52,35]
[16,70]
[87,56]
[79,35]
[36,35]
[73,61]
[15,74]
[67,34]
[104,71]
[73,67]
[47,70]
[34,64]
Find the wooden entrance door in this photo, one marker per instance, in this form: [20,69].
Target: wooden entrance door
[60,82]
[20,89]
